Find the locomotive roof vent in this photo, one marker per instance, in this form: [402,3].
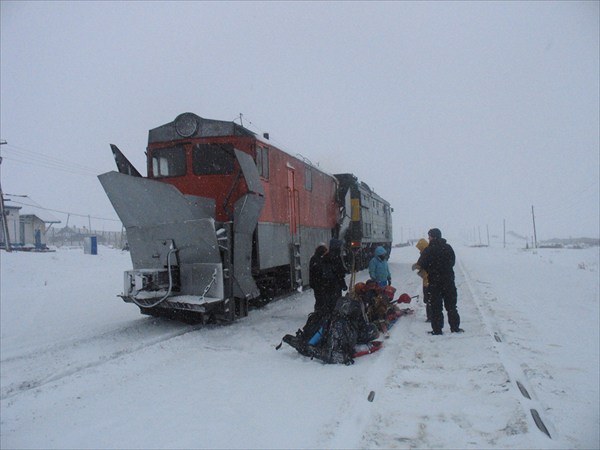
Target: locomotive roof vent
[189,125]
[266,135]
[186,124]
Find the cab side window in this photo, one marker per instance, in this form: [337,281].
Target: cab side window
[169,162]
[308,179]
[262,161]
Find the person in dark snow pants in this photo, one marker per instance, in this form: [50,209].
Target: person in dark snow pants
[317,278]
[323,279]
[438,260]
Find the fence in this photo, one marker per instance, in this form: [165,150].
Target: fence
[72,236]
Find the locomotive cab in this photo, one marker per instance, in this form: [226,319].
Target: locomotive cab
[370,224]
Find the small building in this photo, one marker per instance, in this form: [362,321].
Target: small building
[27,230]
[13,224]
[33,231]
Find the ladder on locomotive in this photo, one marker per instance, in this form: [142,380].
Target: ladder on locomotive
[297,265]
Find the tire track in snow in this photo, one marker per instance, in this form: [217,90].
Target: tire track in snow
[64,356]
[56,361]
[360,407]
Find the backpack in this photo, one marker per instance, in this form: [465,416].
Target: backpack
[315,328]
[354,311]
[332,337]
[366,332]
[340,342]
[342,334]
[308,339]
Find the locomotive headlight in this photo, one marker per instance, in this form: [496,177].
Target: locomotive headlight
[186,124]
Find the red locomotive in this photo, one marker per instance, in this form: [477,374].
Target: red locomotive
[224,219]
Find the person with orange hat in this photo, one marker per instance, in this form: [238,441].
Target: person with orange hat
[421,245]
[438,260]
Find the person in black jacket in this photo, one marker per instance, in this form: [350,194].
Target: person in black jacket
[438,259]
[318,274]
[334,258]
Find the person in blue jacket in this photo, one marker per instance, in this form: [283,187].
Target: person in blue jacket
[379,269]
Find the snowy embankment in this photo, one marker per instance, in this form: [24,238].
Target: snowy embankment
[82,369]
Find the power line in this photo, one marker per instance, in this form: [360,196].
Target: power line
[50,166]
[39,159]
[51,161]
[56,210]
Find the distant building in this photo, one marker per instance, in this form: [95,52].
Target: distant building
[12,222]
[26,231]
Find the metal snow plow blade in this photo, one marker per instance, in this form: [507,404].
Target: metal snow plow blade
[173,244]
[245,217]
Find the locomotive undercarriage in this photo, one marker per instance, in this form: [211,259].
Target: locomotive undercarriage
[272,283]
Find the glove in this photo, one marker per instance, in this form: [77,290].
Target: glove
[415,266]
[390,281]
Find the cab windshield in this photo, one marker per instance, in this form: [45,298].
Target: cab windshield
[213,159]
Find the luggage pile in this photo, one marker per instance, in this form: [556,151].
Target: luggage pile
[353,327]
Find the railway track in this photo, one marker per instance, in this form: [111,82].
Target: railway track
[410,351]
[528,399]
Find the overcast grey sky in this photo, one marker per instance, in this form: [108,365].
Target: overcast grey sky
[462,115]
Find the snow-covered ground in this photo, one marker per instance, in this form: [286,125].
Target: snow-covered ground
[82,369]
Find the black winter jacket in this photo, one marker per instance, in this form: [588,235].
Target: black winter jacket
[320,272]
[315,272]
[438,261]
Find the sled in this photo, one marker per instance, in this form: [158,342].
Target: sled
[367,349]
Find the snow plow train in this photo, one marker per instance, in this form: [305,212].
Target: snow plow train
[224,219]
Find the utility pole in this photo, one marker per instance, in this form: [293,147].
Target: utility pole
[534,233]
[3,213]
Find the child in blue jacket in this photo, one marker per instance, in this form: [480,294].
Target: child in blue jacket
[379,269]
